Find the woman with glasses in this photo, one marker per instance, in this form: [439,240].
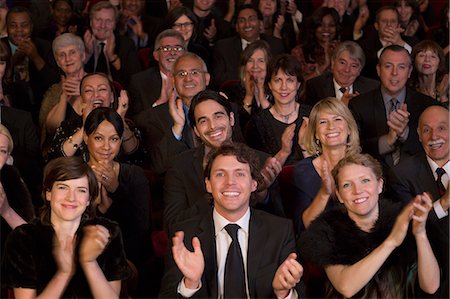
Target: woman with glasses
[183,20]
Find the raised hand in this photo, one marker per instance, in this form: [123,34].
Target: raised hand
[106,175]
[71,86]
[270,171]
[63,252]
[287,276]
[122,106]
[88,43]
[398,120]
[422,204]
[398,232]
[287,138]
[328,185]
[177,113]
[191,264]
[94,242]
[347,96]
[444,88]
[110,47]
[137,27]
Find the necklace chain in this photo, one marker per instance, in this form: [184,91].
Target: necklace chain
[285,116]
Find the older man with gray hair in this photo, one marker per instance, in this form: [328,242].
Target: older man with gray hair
[344,81]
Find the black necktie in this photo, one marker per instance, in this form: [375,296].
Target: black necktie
[343,89]
[234,276]
[102,65]
[441,188]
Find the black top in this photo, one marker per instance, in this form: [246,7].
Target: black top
[29,262]
[333,238]
[264,133]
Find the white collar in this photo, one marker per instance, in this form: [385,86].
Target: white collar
[220,222]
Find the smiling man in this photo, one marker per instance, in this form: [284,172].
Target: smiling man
[227,51]
[387,116]
[107,52]
[429,171]
[236,251]
[212,120]
[344,81]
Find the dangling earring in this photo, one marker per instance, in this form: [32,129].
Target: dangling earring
[319,147]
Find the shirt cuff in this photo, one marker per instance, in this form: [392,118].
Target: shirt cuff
[440,212]
[383,145]
[292,295]
[404,136]
[177,137]
[186,292]
[407,47]
[357,36]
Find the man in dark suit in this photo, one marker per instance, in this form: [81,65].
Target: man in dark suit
[212,119]
[227,51]
[150,88]
[262,242]
[387,116]
[344,82]
[107,52]
[388,32]
[423,173]
[165,128]
[33,68]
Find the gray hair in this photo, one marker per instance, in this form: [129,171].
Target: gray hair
[169,33]
[355,51]
[67,39]
[189,55]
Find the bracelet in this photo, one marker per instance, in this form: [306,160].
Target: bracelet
[75,145]
[115,59]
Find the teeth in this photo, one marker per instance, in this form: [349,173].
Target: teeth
[436,144]
[332,135]
[360,200]
[231,193]
[216,134]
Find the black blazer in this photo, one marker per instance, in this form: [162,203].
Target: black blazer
[270,241]
[144,89]
[370,115]
[156,127]
[185,193]
[322,87]
[129,61]
[227,54]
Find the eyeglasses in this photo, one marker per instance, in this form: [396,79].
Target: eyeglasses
[170,49]
[182,25]
[184,74]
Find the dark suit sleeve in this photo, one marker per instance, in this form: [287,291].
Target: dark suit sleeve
[129,62]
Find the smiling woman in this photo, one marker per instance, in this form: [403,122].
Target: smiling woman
[124,189]
[365,246]
[71,252]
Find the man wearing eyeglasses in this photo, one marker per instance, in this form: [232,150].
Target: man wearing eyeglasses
[107,52]
[227,51]
[151,87]
[165,127]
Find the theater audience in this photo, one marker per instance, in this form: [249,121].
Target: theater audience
[410,18]
[66,252]
[322,35]
[275,130]
[430,73]
[331,134]
[264,264]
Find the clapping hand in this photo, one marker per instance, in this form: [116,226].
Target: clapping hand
[191,264]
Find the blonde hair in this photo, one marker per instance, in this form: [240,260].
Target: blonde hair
[4,131]
[336,107]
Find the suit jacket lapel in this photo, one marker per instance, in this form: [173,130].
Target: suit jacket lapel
[208,243]
[380,115]
[328,88]
[256,244]
[197,165]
